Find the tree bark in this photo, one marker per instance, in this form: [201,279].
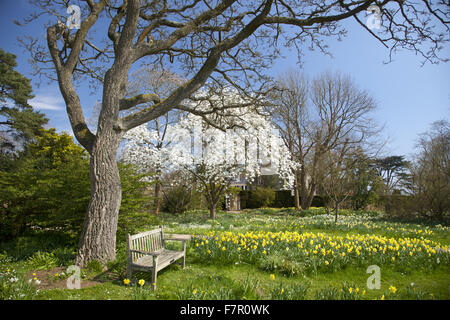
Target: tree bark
[157,196]
[98,237]
[296,192]
[336,210]
[212,202]
[212,212]
[307,191]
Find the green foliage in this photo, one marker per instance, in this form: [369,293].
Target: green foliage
[136,193]
[319,201]
[49,188]
[198,201]
[19,122]
[392,170]
[95,266]
[399,206]
[181,198]
[43,261]
[411,293]
[13,286]
[260,197]
[366,183]
[177,199]
[327,294]
[252,199]
[345,292]
[296,291]
[283,199]
[280,263]
[218,287]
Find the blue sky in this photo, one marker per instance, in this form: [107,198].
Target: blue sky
[409,97]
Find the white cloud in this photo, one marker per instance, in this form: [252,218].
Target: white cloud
[47,102]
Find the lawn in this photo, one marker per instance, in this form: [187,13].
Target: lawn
[255,254]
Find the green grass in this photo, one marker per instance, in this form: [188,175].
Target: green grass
[236,277]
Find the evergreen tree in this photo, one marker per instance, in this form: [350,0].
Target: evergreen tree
[19,123]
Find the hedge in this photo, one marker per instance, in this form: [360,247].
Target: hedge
[283,199]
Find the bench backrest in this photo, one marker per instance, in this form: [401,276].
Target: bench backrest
[149,241]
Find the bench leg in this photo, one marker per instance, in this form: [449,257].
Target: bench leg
[154,273]
[183,262]
[129,272]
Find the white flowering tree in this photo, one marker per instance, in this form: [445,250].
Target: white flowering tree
[148,147]
[152,79]
[241,143]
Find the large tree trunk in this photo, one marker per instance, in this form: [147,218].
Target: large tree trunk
[98,237]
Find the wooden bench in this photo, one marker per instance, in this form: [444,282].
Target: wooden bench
[146,252]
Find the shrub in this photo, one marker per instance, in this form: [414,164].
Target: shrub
[135,195]
[177,199]
[283,199]
[400,205]
[95,266]
[261,197]
[318,201]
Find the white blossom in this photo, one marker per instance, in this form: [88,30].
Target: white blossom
[250,147]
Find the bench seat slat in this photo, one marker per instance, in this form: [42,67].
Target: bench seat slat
[164,259]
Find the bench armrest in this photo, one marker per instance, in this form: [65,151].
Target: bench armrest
[169,239]
[183,241]
[173,237]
